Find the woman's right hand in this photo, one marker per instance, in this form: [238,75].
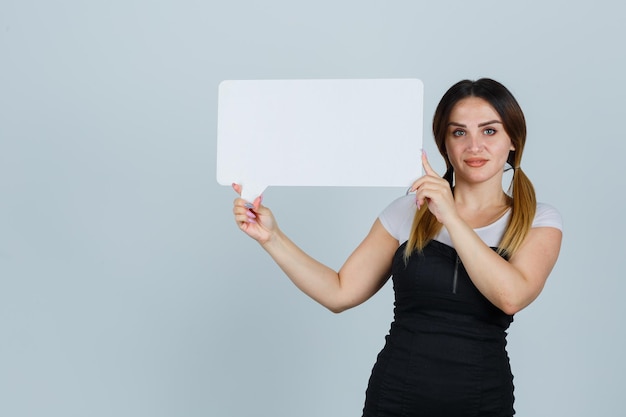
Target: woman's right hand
[364,273]
[256,220]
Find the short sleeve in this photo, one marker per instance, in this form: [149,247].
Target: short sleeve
[547,216]
[397,217]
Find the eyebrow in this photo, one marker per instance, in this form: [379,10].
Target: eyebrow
[490,122]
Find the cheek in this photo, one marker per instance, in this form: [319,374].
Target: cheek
[452,148]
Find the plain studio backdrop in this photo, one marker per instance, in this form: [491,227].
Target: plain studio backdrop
[127,290]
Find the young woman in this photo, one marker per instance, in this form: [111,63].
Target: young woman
[464,256]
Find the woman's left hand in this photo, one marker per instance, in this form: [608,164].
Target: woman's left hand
[433,190]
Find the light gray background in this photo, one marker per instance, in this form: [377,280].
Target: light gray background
[127,290]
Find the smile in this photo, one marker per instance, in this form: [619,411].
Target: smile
[475,163]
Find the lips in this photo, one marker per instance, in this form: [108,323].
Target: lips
[475,162]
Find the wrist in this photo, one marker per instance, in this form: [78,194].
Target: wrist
[453,221]
[273,239]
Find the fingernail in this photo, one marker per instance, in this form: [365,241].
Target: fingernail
[251,221]
[249,205]
[250,214]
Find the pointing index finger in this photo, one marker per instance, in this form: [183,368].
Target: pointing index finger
[427,168]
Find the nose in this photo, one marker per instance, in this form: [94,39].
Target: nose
[474,143]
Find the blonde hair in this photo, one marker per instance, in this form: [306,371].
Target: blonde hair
[523,202]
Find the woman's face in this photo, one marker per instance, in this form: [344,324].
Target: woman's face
[476,143]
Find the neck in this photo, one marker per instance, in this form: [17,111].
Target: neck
[480,196]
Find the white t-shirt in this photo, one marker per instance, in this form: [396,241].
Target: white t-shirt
[397,218]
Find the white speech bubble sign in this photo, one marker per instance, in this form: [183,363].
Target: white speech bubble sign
[338,132]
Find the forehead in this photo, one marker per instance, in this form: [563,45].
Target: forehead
[473,109]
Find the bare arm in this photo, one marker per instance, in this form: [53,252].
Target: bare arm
[363,274]
[510,285]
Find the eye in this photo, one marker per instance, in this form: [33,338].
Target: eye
[458,133]
[489,131]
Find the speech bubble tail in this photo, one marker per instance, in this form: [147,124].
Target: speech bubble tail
[250,191]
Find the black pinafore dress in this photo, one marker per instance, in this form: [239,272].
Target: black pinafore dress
[445,354]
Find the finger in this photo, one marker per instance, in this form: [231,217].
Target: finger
[420,182]
[243,215]
[245,212]
[422,195]
[240,214]
[257,202]
[240,202]
[427,168]
[415,185]
[252,206]
[237,188]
